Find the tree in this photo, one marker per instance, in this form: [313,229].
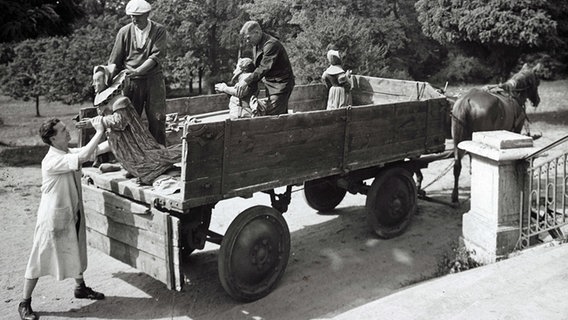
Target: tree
[497,31]
[59,68]
[24,76]
[68,69]
[202,38]
[378,38]
[20,20]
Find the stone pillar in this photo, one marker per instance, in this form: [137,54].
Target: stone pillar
[491,227]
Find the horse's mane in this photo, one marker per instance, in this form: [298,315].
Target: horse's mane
[521,81]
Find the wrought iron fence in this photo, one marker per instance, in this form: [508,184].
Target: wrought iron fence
[544,197]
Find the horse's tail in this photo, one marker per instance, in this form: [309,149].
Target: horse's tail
[460,127]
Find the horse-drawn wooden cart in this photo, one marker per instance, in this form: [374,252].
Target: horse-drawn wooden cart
[391,125]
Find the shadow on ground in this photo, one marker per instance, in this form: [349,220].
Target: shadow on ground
[362,266]
[559,117]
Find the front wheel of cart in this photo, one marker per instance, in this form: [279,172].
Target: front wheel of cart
[391,202]
[254,253]
[323,194]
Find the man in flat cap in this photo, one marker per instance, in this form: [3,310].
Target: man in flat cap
[140,48]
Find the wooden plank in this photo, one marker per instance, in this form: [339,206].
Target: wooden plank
[244,142]
[108,202]
[286,180]
[308,98]
[307,105]
[205,147]
[375,155]
[116,183]
[141,239]
[287,122]
[175,259]
[198,104]
[295,155]
[404,89]
[139,259]
[290,150]
[309,92]
[205,186]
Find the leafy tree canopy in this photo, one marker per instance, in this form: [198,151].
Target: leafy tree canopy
[498,32]
[523,23]
[20,20]
[375,36]
[59,68]
[202,37]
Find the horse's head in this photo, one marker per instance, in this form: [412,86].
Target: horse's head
[525,85]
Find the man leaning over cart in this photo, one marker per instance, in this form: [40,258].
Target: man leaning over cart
[272,66]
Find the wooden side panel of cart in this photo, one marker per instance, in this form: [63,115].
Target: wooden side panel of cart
[230,158]
[142,237]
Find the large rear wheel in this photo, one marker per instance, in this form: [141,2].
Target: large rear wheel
[323,194]
[391,202]
[254,253]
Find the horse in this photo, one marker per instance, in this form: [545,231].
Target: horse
[487,109]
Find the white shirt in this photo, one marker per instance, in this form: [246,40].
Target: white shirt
[142,35]
[58,249]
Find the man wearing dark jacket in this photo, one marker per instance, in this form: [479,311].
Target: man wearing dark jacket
[272,66]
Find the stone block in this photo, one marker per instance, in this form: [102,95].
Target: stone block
[502,139]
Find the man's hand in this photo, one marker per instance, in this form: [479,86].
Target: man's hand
[84,123]
[241,86]
[220,87]
[97,123]
[131,71]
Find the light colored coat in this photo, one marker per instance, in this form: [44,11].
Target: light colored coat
[59,249]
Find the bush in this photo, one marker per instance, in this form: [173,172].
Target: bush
[462,69]
[552,67]
[458,260]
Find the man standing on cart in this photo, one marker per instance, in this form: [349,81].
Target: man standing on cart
[272,66]
[140,48]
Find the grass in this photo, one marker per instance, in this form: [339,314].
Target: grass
[19,124]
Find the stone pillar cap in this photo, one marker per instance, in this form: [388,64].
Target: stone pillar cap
[499,145]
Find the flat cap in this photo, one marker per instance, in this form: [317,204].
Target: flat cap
[137,7]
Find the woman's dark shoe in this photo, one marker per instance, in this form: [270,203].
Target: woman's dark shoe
[84,292]
[25,310]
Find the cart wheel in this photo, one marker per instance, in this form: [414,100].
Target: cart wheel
[391,202]
[323,194]
[254,253]
[194,229]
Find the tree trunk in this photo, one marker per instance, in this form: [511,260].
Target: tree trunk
[200,75]
[191,83]
[37,106]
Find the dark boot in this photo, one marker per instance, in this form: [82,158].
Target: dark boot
[25,310]
[84,292]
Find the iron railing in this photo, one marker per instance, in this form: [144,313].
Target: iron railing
[544,197]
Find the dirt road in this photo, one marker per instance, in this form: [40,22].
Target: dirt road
[336,262]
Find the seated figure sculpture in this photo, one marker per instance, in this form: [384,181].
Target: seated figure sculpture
[239,104]
[127,137]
